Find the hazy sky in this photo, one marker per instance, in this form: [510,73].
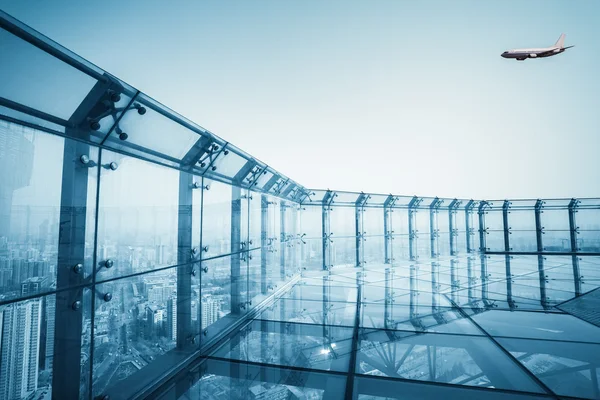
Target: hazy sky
[409,97]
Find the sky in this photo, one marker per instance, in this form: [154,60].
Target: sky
[403,97]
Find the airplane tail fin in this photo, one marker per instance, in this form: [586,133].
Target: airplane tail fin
[561,41]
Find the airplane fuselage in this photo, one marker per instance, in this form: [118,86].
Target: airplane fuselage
[522,54]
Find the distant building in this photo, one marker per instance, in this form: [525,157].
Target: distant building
[19,348]
[172,318]
[210,310]
[154,321]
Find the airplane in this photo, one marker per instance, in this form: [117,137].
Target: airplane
[522,54]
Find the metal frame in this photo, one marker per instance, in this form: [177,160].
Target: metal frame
[434,232]
[413,232]
[388,229]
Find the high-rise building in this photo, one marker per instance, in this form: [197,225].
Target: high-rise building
[172,318]
[19,348]
[210,310]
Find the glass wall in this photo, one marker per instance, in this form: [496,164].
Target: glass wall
[119,265]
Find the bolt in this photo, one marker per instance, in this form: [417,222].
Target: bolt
[94,125]
[85,160]
[76,305]
[107,297]
[123,136]
[109,263]
[77,268]
[113,165]
[205,249]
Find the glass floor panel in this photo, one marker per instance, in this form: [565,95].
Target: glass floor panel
[424,330]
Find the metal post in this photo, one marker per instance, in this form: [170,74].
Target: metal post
[539,231]
[360,234]
[455,284]
[482,228]
[325,222]
[470,278]
[389,299]
[469,225]
[434,232]
[484,278]
[507,232]
[388,229]
[452,211]
[235,259]
[66,379]
[283,249]
[573,232]
[185,254]
[264,251]
[412,232]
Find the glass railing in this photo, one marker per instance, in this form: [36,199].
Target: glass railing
[143,256]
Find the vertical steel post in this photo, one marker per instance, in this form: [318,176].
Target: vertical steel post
[470,231]
[326,228]
[66,378]
[388,229]
[185,255]
[412,223]
[283,235]
[434,232]
[482,228]
[453,231]
[573,232]
[235,259]
[359,232]
[505,224]
[539,231]
[264,243]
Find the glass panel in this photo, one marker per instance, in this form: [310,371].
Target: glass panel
[218,218]
[311,254]
[373,221]
[374,388]
[557,240]
[463,360]
[135,323]
[311,312]
[137,226]
[494,240]
[374,250]
[227,380]
[535,325]
[493,220]
[343,252]
[400,249]
[521,220]
[555,219]
[342,221]
[400,221]
[229,163]
[58,89]
[27,337]
[523,240]
[311,221]
[154,131]
[221,291]
[30,208]
[298,345]
[569,369]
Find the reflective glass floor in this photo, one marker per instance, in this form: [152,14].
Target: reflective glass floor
[424,330]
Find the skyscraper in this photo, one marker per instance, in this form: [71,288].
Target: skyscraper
[172,318]
[210,310]
[19,348]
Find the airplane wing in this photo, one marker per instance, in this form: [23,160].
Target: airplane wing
[568,47]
